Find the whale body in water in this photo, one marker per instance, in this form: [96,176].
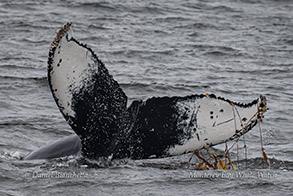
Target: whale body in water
[95,107]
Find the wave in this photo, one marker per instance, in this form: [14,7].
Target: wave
[168,163]
[99,6]
[38,78]
[132,52]
[223,8]
[164,86]
[172,19]
[197,26]
[218,53]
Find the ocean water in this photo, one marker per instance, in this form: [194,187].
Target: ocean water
[236,49]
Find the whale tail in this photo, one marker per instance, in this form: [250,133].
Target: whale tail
[95,107]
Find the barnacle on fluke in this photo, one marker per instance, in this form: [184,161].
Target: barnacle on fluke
[95,106]
[205,161]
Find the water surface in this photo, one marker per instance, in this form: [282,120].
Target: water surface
[235,49]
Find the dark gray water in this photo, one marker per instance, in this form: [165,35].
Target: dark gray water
[235,49]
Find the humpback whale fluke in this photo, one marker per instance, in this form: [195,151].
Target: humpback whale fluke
[95,106]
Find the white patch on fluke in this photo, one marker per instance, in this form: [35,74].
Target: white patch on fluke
[213,122]
[72,66]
